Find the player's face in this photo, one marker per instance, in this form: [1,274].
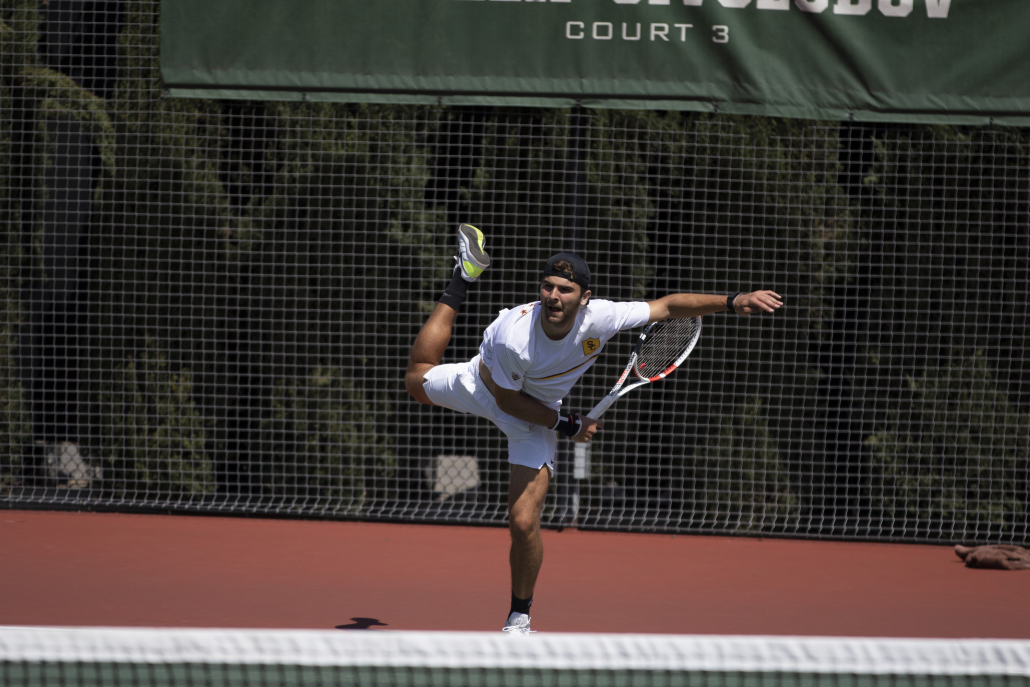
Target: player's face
[561,300]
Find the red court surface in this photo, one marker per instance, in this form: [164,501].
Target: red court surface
[177,571]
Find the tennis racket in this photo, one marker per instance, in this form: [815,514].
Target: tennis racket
[661,348]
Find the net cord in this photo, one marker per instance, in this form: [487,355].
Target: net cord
[559,651]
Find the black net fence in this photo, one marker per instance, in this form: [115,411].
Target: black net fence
[208,305]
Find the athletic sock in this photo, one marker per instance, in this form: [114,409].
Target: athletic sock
[454,294]
[520,605]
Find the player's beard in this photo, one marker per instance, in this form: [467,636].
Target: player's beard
[568,312]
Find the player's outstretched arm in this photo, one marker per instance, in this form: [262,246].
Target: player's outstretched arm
[680,305]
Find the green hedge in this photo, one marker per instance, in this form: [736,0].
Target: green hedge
[954,449]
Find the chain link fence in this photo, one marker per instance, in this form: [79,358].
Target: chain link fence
[208,305]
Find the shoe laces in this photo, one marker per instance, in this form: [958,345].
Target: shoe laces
[518,630]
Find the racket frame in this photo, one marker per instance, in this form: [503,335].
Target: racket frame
[618,391]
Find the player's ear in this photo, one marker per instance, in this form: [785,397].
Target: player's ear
[585,297]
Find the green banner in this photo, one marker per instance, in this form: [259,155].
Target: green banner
[898,60]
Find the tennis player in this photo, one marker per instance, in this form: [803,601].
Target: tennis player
[530,358]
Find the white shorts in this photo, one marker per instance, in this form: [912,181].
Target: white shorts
[460,388]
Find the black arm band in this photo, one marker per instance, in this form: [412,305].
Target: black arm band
[568,424]
[729,302]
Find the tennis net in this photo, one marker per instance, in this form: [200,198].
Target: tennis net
[163,657]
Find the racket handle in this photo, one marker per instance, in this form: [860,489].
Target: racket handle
[604,405]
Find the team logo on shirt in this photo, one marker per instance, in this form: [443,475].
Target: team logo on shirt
[591,346]
[515,376]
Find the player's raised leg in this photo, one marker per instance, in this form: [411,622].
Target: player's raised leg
[432,340]
[427,351]
[526,492]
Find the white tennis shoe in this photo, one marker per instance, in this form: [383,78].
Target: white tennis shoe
[472,256]
[518,624]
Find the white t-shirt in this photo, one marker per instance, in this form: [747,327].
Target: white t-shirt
[521,357]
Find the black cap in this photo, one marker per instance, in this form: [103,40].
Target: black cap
[580,273]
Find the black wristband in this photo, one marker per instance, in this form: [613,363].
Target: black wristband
[729,302]
[568,424]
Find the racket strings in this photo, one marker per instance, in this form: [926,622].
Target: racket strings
[665,345]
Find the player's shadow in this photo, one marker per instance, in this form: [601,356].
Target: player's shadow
[362,624]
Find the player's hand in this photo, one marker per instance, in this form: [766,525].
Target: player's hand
[757,301]
[590,427]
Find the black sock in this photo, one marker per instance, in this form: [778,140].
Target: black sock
[520,605]
[454,294]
